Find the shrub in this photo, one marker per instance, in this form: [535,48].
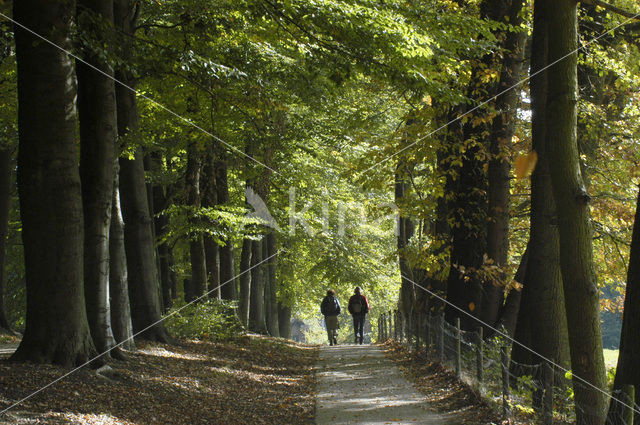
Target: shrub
[211,319]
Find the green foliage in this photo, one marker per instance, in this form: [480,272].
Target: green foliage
[210,319]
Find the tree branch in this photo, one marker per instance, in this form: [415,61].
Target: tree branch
[612,8]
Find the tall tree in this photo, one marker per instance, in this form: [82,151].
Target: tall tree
[572,202]
[57,330]
[546,313]
[198,281]
[229,289]
[98,132]
[6,173]
[271,293]
[627,372]
[118,279]
[257,317]
[502,130]
[144,291]
[245,281]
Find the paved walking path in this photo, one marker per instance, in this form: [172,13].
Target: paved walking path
[357,384]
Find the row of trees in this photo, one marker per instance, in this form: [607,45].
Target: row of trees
[332,116]
[239,105]
[462,248]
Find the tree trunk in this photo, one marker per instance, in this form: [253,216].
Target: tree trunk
[406,229]
[272,306]
[572,201]
[284,321]
[198,281]
[511,307]
[209,200]
[98,132]
[160,222]
[257,321]
[229,289]
[245,282]
[118,281]
[548,321]
[6,167]
[57,330]
[144,291]
[627,371]
[503,129]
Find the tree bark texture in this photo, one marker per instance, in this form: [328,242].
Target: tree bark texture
[118,280]
[572,202]
[272,306]
[257,322]
[284,321]
[229,289]
[502,131]
[209,200]
[6,173]
[144,292]
[548,321]
[57,330]
[245,282]
[196,244]
[627,371]
[98,133]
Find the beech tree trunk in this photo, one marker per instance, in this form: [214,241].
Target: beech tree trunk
[210,199]
[144,291]
[5,204]
[229,289]
[503,129]
[118,281]
[98,132]
[406,229]
[548,320]
[57,330]
[272,288]
[257,317]
[572,201]
[284,321]
[627,371]
[198,281]
[245,282]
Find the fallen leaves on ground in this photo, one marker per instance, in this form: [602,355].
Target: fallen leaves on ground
[443,391]
[249,380]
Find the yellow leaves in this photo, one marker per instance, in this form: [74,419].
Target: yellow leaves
[525,164]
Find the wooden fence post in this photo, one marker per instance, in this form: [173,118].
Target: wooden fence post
[418,326]
[441,338]
[458,345]
[506,409]
[427,333]
[480,357]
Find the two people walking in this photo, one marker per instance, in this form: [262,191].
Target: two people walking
[358,307]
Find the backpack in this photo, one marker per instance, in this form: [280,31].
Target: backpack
[356,305]
[329,306]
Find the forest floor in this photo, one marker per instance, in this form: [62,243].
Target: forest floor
[248,380]
[444,392]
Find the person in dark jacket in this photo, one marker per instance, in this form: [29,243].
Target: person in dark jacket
[330,308]
[358,307]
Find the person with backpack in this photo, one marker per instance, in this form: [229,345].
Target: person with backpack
[330,308]
[358,307]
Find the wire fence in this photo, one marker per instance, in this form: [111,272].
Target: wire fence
[540,393]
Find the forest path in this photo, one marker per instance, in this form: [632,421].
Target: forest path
[358,384]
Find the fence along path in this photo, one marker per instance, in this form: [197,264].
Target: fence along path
[485,364]
[357,384]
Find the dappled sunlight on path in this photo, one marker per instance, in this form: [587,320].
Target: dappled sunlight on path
[357,384]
